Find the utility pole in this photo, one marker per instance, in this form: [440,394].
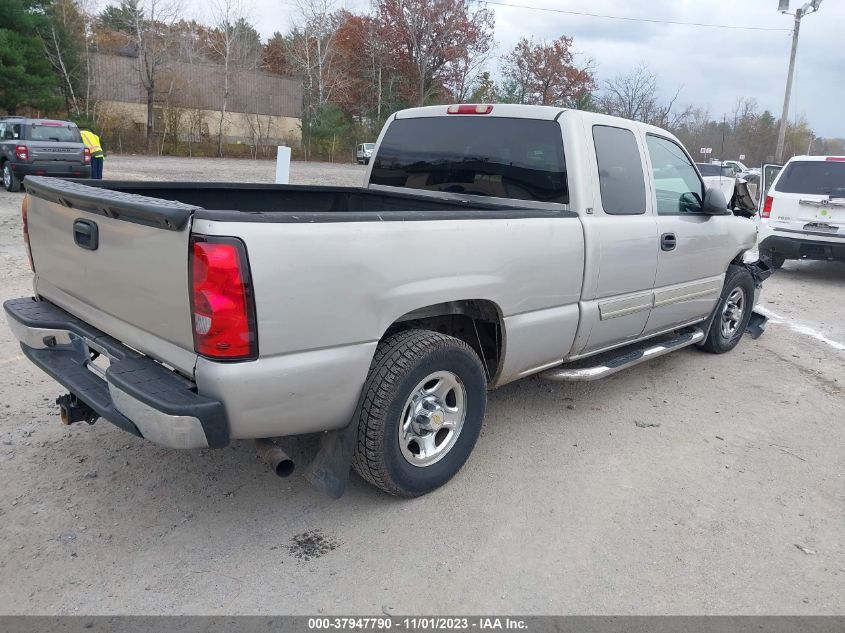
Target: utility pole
[810,7]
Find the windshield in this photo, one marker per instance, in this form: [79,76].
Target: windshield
[817,177]
[369,145]
[491,156]
[58,132]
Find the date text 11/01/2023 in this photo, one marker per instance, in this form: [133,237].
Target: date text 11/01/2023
[416,623]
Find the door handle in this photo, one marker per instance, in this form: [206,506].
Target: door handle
[668,242]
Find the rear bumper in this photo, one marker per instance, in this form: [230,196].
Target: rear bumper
[801,248]
[134,392]
[51,168]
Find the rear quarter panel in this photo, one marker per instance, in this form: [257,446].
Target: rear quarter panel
[326,292]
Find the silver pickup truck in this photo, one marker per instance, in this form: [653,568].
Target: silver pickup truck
[487,244]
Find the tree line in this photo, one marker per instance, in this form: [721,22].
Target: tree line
[355,69]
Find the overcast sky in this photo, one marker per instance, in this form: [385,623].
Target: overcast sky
[712,66]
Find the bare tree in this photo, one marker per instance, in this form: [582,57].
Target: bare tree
[634,95]
[236,46]
[66,40]
[152,29]
[313,54]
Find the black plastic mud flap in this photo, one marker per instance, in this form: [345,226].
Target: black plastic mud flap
[756,325]
[329,470]
[760,271]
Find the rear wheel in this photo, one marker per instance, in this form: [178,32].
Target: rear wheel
[10,180]
[421,412]
[732,312]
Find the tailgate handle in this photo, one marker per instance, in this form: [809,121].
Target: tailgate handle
[85,234]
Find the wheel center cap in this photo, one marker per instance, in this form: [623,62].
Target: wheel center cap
[436,420]
[429,415]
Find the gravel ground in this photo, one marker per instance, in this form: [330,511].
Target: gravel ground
[691,484]
[228,170]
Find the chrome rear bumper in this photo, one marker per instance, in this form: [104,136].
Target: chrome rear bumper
[131,390]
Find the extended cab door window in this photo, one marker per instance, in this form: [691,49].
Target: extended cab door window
[678,187]
[621,178]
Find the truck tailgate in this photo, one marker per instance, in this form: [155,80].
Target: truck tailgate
[117,261]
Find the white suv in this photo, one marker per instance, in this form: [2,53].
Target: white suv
[803,216]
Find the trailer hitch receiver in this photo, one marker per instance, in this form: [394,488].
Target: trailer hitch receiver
[73,410]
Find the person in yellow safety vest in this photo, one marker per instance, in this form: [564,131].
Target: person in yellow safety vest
[92,142]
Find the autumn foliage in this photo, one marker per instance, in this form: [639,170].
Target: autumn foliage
[545,73]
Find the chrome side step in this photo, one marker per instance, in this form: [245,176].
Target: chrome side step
[604,365]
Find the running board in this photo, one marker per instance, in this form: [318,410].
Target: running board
[609,363]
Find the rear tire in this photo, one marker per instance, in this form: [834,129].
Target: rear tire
[10,180]
[421,413]
[732,312]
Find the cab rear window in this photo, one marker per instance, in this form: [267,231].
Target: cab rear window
[813,177]
[500,157]
[52,132]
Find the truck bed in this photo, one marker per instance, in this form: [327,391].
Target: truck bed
[171,203]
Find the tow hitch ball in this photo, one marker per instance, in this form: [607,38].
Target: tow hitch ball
[72,410]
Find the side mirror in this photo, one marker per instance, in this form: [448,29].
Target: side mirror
[714,202]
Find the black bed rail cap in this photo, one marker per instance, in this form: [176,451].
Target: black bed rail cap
[171,215]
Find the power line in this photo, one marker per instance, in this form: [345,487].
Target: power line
[619,17]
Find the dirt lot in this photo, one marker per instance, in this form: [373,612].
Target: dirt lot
[727,497]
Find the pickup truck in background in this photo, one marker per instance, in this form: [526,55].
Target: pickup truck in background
[739,167]
[719,176]
[364,153]
[488,243]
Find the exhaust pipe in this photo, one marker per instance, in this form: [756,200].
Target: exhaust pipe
[274,457]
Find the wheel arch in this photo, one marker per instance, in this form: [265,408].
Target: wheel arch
[477,322]
[739,260]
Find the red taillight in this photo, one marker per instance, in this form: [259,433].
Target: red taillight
[221,301]
[22,152]
[25,222]
[838,159]
[86,155]
[469,109]
[767,207]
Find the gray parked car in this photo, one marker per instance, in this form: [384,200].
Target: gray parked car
[41,147]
